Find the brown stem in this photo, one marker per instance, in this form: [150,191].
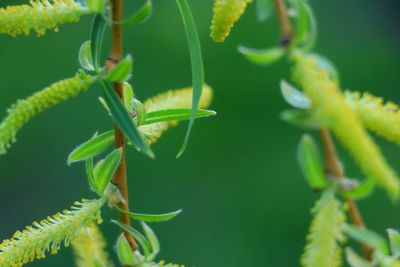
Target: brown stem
[333,167]
[284,20]
[120,177]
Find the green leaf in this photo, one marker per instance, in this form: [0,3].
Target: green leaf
[300,118]
[141,114]
[124,121]
[367,237]
[89,173]
[262,56]
[124,251]
[307,26]
[97,34]
[176,115]
[310,162]
[294,97]
[361,191]
[152,217]
[196,62]
[151,236]
[96,5]
[394,242]
[264,9]
[128,96]
[302,21]
[356,260]
[143,242]
[121,71]
[105,169]
[85,56]
[142,15]
[91,148]
[104,104]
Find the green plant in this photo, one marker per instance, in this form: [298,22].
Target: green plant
[322,105]
[136,125]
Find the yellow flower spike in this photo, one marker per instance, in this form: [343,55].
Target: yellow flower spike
[332,110]
[226,13]
[379,117]
[24,110]
[325,232]
[39,15]
[49,234]
[89,248]
[180,98]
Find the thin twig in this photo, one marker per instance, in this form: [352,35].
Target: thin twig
[333,167]
[286,26]
[120,177]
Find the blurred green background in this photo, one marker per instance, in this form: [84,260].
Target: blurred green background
[245,202]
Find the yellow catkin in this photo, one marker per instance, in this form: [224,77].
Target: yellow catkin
[39,15]
[48,235]
[180,98]
[325,232]
[90,248]
[24,110]
[379,117]
[226,13]
[331,109]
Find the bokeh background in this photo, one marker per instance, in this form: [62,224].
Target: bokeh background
[245,202]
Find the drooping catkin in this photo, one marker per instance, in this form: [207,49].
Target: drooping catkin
[226,13]
[325,233]
[180,98]
[48,235]
[379,117]
[39,15]
[331,109]
[90,248]
[24,110]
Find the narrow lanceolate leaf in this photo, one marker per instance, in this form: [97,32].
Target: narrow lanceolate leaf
[294,97]
[363,190]
[124,121]
[142,15]
[105,169]
[153,217]
[121,71]
[90,248]
[226,13]
[329,106]
[24,110]
[176,114]
[181,98]
[48,235]
[91,148]
[128,96]
[153,240]
[376,115]
[262,56]
[98,28]
[196,62]
[325,233]
[85,56]
[264,9]
[306,32]
[310,163]
[367,237]
[125,252]
[143,242]
[394,241]
[39,16]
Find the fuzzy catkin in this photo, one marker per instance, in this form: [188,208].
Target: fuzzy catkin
[90,247]
[180,98]
[331,109]
[24,110]
[39,15]
[326,231]
[48,235]
[226,13]
[376,115]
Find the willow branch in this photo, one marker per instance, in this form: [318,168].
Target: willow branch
[286,26]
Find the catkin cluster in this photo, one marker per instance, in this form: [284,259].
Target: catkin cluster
[39,15]
[22,111]
[330,107]
[90,248]
[326,231]
[226,13]
[379,117]
[181,98]
[49,234]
